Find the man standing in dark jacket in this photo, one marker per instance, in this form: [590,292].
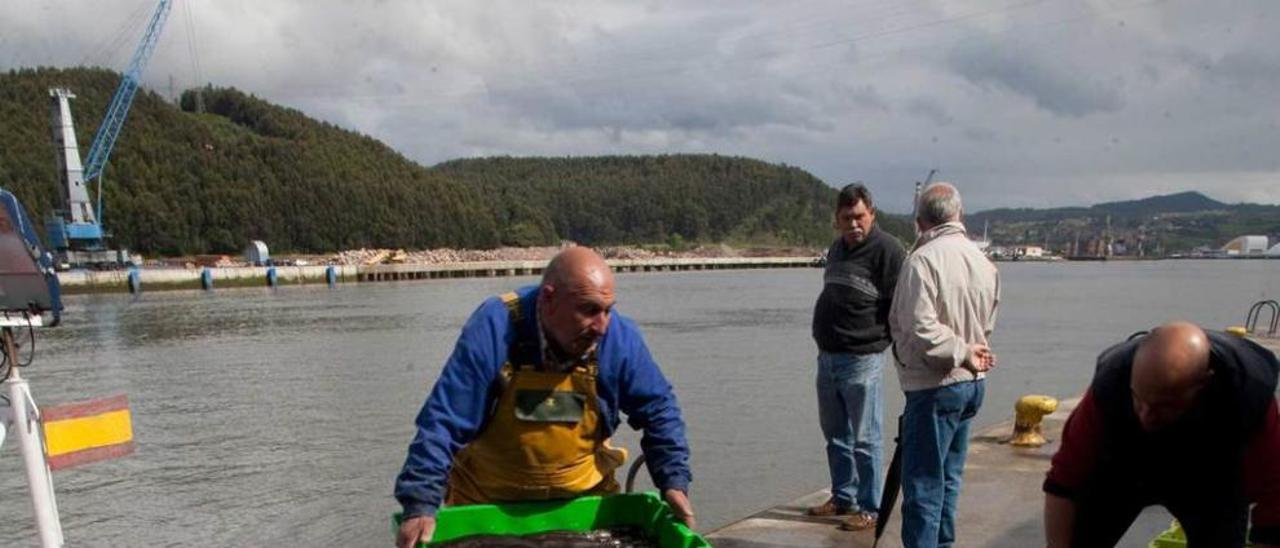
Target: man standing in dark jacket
[1182,418]
[850,325]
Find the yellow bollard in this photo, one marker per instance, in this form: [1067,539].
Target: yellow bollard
[1238,330]
[1026,422]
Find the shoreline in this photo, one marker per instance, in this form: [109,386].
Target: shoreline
[217,277]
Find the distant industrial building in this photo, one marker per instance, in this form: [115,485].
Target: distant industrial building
[1029,251]
[256,253]
[1247,245]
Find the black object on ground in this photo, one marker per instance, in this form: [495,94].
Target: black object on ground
[892,483]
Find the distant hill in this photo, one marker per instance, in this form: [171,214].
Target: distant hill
[629,199]
[1158,224]
[184,183]
[1182,202]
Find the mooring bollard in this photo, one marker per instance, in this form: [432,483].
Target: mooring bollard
[206,279]
[1027,414]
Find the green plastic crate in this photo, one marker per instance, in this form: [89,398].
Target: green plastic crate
[645,511]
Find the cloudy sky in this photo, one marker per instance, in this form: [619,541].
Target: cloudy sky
[1020,102]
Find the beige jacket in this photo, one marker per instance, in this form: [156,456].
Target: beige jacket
[945,300]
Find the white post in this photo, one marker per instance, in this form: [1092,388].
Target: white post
[26,428]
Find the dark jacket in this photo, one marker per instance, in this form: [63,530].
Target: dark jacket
[852,312]
[1225,449]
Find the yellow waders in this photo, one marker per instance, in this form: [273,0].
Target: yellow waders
[542,442]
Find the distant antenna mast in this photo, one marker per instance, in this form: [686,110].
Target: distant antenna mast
[915,202]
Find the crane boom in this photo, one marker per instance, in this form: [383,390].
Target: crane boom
[105,139]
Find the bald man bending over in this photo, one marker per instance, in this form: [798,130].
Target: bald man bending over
[1184,418]
[525,406]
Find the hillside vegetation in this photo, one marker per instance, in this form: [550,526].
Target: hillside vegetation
[183,183]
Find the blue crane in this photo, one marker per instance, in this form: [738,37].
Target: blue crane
[76,232]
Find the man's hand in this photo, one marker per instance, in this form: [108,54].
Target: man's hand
[680,506]
[414,530]
[979,359]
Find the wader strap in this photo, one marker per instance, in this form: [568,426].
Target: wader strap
[524,349]
[512,301]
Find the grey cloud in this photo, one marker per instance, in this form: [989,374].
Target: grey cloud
[656,106]
[930,109]
[672,78]
[980,134]
[1048,101]
[865,97]
[1052,85]
[1249,69]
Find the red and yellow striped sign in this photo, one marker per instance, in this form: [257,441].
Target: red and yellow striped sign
[90,431]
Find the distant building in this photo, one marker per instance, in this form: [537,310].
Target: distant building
[256,253]
[1246,245]
[1096,247]
[1029,251]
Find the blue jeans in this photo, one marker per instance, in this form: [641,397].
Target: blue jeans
[935,439]
[849,411]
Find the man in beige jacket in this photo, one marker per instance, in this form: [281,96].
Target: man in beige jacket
[943,313]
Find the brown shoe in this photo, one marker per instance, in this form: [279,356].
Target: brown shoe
[828,509]
[860,521]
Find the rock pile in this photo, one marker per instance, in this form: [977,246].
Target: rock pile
[446,255]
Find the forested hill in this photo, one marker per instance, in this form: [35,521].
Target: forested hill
[181,183]
[623,199]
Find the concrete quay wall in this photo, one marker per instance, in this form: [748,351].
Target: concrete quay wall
[112,281]
[183,278]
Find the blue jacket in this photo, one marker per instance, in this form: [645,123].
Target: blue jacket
[458,406]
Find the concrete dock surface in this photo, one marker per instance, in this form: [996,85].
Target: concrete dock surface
[1001,502]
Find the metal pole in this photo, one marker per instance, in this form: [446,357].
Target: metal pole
[915,208]
[27,429]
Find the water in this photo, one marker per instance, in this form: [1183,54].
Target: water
[282,417]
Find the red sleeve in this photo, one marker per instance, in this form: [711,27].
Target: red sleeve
[1262,472]
[1078,453]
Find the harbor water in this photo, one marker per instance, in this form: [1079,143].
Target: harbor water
[268,417]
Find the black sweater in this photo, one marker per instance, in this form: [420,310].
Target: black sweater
[852,313]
